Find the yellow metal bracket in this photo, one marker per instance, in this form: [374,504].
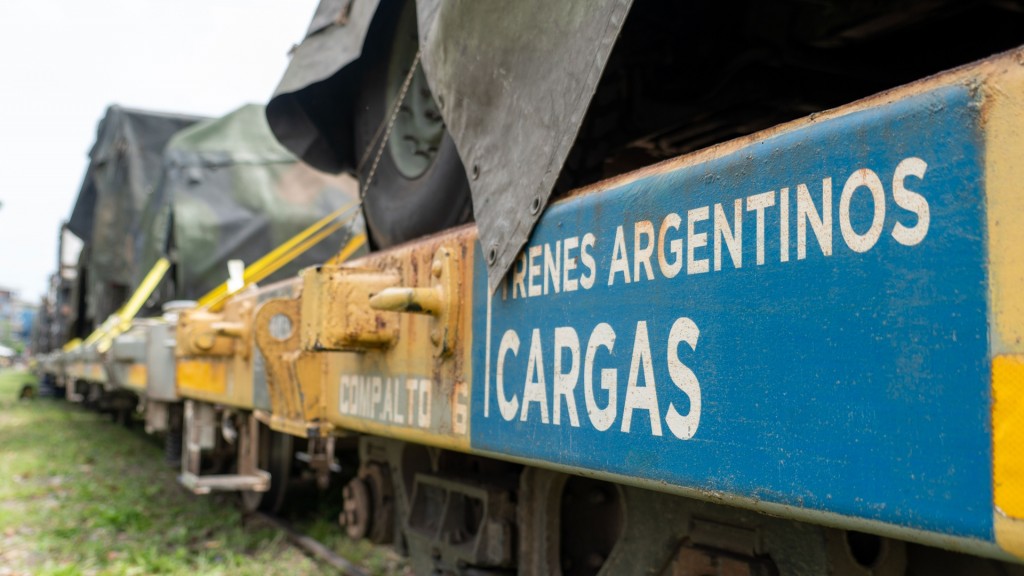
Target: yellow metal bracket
[295,409]
[205,333]
[336,312]
[440,300]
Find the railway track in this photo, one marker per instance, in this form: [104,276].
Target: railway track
[311,546]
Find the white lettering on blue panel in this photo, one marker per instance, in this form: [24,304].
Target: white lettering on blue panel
[799,321]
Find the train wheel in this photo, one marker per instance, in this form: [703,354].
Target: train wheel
[414,182]
[275,456]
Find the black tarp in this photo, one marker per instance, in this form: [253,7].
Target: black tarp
[516,77]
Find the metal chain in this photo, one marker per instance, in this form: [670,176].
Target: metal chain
[387,133]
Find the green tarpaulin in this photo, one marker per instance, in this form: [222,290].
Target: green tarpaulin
[231,191]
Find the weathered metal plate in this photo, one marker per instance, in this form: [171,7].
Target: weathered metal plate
[798,320]
[410,389]
[89,371]
[160,371]
[237,379]
[125,361]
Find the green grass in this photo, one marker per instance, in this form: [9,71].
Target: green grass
[80,495]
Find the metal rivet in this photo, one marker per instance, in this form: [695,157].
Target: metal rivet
[492,254]
[535,205]
[476,171]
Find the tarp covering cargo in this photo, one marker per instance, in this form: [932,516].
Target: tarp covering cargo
[125,164]
[517,78]
[230,191]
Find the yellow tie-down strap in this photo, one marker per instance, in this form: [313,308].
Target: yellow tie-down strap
[288,251]
[121,320]
[273,261]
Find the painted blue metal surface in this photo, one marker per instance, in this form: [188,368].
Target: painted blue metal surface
[855,383]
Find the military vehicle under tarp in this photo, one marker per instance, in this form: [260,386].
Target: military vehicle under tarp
[458,110]
[229,190]
[125,164]
[510,83]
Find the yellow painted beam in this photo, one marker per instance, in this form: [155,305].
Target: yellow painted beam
[1003,116]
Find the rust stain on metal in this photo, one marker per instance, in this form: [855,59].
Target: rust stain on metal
[411,367]
[224,339]
[294,374]
[204,333]
[335,309]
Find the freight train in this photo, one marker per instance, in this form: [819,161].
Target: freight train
[624,287]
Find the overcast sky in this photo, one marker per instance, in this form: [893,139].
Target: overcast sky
[62,62]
